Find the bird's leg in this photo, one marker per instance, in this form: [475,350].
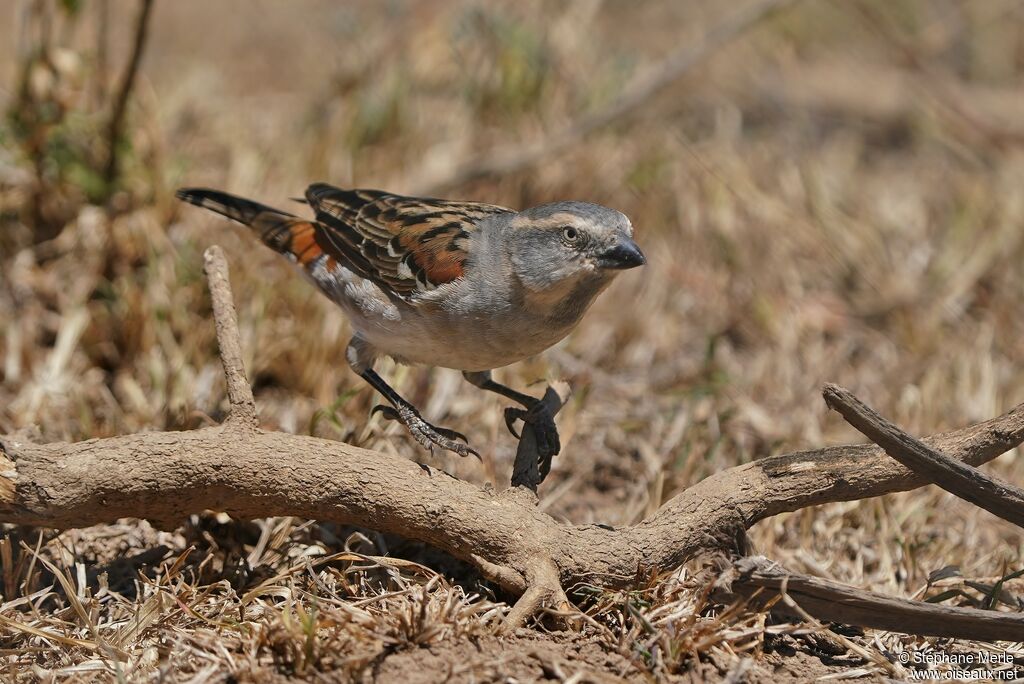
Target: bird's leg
[401,410]
[361,355]
[534,413]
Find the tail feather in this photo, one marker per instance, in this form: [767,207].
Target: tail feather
[294,237]
[236,208]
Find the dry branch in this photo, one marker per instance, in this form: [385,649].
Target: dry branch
[956,477]
[834,602]
[243,405]
[124,92]
[252,473]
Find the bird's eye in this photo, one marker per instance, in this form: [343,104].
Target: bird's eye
[570,234]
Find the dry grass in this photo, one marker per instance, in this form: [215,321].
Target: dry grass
[792,242]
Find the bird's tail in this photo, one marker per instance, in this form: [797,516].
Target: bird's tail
[236,208]
[283,232]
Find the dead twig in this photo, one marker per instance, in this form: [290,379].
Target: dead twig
[956,477]
[835,602]
[114,131]
[243,405]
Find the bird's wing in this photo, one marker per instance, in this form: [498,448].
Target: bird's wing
[403,244]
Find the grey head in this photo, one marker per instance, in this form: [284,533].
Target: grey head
[565,253]
[570,241]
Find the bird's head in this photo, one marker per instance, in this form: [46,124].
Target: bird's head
[570,249]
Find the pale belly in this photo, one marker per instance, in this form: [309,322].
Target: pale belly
[469,345]
[458,331]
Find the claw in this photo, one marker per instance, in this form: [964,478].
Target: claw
[512,414]
[452,434]
[388,412]
[429,436]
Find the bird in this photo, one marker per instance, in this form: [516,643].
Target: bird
[456,284]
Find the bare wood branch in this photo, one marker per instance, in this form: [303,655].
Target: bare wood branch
[956,477]
[243,405]
[166,476]
[124,93]
[836,602]
[519,156]
[736,498]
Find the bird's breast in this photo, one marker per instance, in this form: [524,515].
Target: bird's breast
[465,325]
[464,342]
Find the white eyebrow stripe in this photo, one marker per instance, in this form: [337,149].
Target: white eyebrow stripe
[560,220]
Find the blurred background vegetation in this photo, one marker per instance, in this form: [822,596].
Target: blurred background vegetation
[834,193]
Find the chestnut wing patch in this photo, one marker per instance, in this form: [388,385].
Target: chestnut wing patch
[404,244]
[307,244]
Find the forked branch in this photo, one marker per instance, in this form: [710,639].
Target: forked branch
[956,477]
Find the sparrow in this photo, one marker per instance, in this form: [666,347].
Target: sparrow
[462,285]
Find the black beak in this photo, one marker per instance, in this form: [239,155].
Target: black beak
[622,255]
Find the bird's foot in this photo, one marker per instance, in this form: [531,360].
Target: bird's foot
[537,415]
[426,434]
